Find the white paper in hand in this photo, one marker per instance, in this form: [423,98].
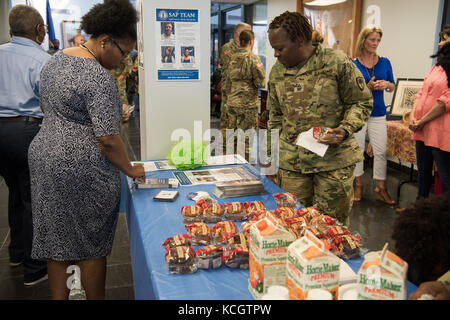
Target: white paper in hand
[307,141]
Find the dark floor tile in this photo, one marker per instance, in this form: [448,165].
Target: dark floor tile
[14,289]
[120,293]
[119,275]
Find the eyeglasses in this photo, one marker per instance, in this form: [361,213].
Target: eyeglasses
[124,54]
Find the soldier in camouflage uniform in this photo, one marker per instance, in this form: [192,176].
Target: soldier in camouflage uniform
[312,86]
[245,75]
[120,75]
[225,54]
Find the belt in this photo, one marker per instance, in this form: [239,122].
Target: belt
[21,119]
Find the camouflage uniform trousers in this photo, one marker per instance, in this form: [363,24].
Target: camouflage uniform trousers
[330,191]
[241,118]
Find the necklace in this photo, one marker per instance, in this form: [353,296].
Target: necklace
[89,50]
[372,70]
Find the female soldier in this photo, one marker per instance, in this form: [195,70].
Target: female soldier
[246,75]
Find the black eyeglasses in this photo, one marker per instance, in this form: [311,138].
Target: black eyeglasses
[124,54]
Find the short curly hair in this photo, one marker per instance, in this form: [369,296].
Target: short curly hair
[295,24]
[116,18]
[422,237]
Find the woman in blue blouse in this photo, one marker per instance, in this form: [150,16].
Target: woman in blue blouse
[377,72]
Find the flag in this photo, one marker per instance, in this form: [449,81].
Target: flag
[50,27]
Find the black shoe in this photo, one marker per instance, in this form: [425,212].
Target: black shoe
[31,280]
[15,263]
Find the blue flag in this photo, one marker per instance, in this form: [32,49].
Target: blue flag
[50,27]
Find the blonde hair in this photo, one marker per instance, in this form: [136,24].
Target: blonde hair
[363,36]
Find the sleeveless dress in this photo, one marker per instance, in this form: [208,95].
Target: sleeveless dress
[75,188]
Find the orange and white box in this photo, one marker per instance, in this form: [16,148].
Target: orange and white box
[382,276]
[269,241]
[311,266]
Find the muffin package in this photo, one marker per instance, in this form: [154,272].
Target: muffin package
[235,211]
[191,214]
[200,233]
[181,260]
[220,229]
[213,213]
[210,257]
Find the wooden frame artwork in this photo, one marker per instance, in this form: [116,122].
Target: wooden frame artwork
[404,96]
[338,21]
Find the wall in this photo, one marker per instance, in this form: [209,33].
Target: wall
[410,33]
[275,8]
[61,10]
[167,106]
[4,26]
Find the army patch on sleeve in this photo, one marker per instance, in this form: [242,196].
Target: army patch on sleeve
[360,81]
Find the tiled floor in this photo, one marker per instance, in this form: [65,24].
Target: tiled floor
[372,219]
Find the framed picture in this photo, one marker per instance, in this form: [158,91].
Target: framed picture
[404,96]
[339,23]
[72,33]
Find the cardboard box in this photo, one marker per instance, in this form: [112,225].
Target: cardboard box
[311,266]
[382,276]
[269,241]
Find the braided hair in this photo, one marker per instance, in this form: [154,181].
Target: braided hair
[443,60]
[296,25]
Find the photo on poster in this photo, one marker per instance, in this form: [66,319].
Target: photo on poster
[168,30]
[168,54]
[187,54]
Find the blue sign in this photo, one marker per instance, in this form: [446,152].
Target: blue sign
[177,15]
[178,75]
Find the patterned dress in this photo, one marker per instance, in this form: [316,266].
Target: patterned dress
[75,189]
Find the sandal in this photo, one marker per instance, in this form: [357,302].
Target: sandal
[383,196]
[358,192]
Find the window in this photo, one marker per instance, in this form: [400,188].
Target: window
[260,29]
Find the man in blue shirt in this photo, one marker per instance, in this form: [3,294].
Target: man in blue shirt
[21,61]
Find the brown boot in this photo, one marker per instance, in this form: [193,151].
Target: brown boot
[383,196]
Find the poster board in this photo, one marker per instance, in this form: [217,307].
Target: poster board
[177,34]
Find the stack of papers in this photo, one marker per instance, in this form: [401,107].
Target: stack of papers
[238,188]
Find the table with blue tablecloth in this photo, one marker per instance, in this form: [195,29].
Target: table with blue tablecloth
[150,223]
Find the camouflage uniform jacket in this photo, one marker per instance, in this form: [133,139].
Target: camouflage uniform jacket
[124,71]
[327,90]
[245,75]
[227,50]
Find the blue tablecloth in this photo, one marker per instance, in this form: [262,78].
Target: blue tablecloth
[150,223]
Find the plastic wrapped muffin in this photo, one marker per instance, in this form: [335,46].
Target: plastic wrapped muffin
[287,199]
[235,211]
[191,214]
[200,233]
[177,241]
[213,213]
[298,225]
[346,246]
[236,256]
[251,206]
[285,212]
[308,213]
[220,229]
[181,260]
[235,239]
[210,257]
